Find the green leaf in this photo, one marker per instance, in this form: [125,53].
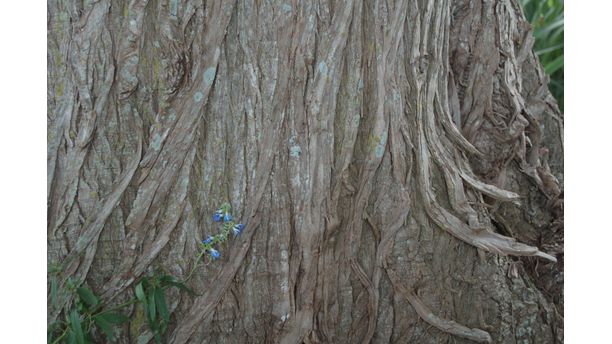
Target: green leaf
[53,291]
[160,300]
[107,321]
[182,287]
[87,296]
[54,269]
[71,338]
[552,67]
[75,326]
[152,308]
[555,83]
[105,326]
[140,295]
[171,281]
[167,278]
[549,49]
[114,318]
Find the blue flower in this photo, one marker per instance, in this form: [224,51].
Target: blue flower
[218,215]
[208,240]
[214,254]
[227,217]
[238,229]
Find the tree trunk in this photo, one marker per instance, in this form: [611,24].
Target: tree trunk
[398,166]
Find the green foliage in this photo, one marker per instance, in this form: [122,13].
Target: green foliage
[86,315]
[546,17]
[76,328]
[106,322]
[83,313]
[151,296]
[87,296]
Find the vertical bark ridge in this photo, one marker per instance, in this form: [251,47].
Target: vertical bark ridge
[156,185]
[317,131]
[204,306]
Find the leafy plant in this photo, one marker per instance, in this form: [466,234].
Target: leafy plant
[150,290]
[546,17]
[150,293]
[85,315]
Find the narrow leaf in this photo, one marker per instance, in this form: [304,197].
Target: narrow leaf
[167,278]
[140,295]
[549,49]
[75,326]
[87,296]
[71,337]
[554,65]
[105,326]
[53,292]
[114,318]
[179,285]
[160,300]
[152,308]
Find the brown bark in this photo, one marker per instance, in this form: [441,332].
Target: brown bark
[398,166]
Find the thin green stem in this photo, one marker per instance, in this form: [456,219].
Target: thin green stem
[120,306]
[194,266]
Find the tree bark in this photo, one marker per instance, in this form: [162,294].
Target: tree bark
[398,166]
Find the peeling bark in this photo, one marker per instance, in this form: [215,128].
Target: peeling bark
[398,166]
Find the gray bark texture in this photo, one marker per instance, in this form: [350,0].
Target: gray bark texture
[398,165]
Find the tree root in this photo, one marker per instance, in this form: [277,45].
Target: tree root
[482,237]
[448,326]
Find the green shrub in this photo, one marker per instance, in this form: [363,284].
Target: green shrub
[546,17]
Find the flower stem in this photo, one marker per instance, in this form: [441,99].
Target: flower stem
[194,266]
